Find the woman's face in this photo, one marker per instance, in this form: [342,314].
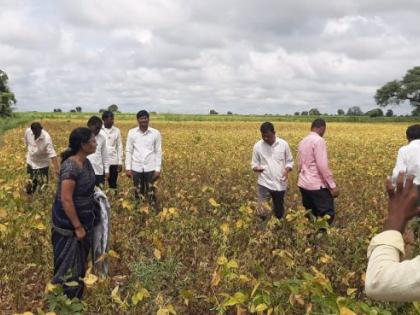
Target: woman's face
[90,146]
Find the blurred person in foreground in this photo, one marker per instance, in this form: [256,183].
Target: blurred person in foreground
[73,212]
[143,158]
[272,160]
[115,147]
[40,152]
[99,159]
[408,158]
[316,182]
[387,277]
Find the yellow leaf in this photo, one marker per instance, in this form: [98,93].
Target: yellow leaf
[50,287]
[90,280]
[3,213]
[240,224]
[261,307]
[350,291]
[39,226]
[222,260]
[116,296]
[225,228]
[113,254]
[3,228]
[127,204]
[157,254]
[326,259]
[345,311]
[71,284]
[214,203]
[244,278]
[140,296]
[232,264]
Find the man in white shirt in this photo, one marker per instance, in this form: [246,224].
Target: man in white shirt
[99,159]
[387,277]
[408,158]
[272,160]
[115,147]
[143,158]
[40,152]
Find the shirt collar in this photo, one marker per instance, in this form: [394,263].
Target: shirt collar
[415,141]
[146,132]
[41,136]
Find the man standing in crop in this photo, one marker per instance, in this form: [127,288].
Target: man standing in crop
[272,160]
[40,152]
[143,158]
[99,159]
[115,149]
[316,182]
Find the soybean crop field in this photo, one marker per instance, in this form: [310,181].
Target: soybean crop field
[207,252]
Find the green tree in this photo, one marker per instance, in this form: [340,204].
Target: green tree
[354,111]
[7,98]
[340,112]
[297,114]
[397,91]
[304,113]
[314,112]
[113,108]
[389,113]
[376,112]
[78,109]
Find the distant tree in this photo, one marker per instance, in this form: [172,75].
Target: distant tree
[314,112]
[57,110]
[229,113]
[304,113]
[72,111]
[376,112]
[213,112]
[78,109]
[389,113]
[407,89]
[7,98]
[113,108]
[415,112]
[296,113]
[354,111]
[102,110]
[340,112]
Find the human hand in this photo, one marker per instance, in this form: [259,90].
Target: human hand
[129,173]
[106,176]
[80,233]
[334,192]
[402,203]
[156,176]
[258,169]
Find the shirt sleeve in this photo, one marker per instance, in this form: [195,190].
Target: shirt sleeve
[50,148]
[158,152]
[388,278]
[129,147]
[105,155]
[25,138]
[288,157]
[400,165]
[119,148]
[255,161]
[321,158]
[68,171]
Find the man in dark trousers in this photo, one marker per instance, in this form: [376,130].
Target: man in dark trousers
[316,182]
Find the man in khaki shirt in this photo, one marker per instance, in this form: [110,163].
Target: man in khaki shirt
[40,152]
[387,277]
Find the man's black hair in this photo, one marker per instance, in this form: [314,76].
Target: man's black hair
[413,132]
[267,127]
[318,123]
[107,114]
[36,126]
[94,121]
[142,113]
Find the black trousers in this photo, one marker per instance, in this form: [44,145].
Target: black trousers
[38,178]
[70,261]
[143,182]
[320,202]
[277,196]
[113,176]
[99,180]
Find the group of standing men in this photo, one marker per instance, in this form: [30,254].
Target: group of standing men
[143,154]
[272,159]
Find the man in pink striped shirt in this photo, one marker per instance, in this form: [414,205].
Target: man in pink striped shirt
[316,182]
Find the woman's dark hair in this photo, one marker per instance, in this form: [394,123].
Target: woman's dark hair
[77,137]
[413,132]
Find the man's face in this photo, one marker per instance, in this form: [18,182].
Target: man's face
[268,137]
[95,128]
[143,122]
[109,122]
[36,132]
[322,131]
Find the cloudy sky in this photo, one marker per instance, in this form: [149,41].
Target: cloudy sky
[189,56]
